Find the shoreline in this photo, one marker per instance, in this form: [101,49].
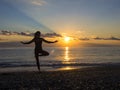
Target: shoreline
[55,67]
[43,69]
[91,78]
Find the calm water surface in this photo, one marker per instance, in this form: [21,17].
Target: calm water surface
[60,57]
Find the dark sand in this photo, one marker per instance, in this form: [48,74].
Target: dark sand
[92,78]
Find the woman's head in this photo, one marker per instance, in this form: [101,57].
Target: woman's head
[37,34]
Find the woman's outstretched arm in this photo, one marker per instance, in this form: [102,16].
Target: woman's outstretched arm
[50,41]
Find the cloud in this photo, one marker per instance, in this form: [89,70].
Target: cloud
[38,2]
[112,38]
[7,33]
[84,39]
[52,35]
[98,38]
[28,2]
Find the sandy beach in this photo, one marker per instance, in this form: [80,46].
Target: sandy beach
[92,78]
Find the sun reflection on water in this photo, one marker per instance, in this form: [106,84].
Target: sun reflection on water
[67,68]
[67,58]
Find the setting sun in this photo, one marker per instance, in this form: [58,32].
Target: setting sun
[67,39]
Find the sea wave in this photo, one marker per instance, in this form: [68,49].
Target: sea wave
[6,65]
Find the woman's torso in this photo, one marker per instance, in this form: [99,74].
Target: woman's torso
[38,43]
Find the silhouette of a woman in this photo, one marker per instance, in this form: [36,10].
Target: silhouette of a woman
[38,47]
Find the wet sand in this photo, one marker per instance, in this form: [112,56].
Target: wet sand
[92,78]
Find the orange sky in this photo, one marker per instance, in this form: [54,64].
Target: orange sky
[62,41]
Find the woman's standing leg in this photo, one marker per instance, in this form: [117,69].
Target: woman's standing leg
[37,60]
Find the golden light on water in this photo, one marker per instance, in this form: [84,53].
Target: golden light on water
[67,68]
[67,54]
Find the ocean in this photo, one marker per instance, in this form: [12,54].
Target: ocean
[60,58]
